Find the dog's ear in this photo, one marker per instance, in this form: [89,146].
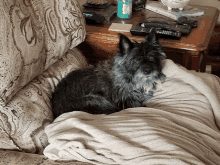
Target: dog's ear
[125,45]
[152,38]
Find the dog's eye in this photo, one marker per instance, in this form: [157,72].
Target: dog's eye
[151,58]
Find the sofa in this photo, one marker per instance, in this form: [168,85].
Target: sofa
[38,47]
[38,42]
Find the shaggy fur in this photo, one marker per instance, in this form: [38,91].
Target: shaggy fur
[121,82]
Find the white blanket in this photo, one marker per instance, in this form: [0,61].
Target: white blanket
[180,125]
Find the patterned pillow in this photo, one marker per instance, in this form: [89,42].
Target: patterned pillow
[23,119]
[33,35]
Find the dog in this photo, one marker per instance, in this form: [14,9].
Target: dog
[123,81]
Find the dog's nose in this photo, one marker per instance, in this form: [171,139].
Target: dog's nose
[155,75]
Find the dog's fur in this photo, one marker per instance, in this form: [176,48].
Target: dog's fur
[121,82]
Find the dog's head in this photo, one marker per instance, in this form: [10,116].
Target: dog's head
[141,62]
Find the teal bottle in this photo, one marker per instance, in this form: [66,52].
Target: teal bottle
[124,9]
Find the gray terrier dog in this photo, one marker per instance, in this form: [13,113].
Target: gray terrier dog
[123,81]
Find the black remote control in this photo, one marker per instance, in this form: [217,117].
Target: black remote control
[185,29]
[137,30]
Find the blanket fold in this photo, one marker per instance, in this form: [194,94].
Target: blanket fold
[180,125]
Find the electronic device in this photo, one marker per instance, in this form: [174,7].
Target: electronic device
[93,18]
[187,21]
[138,4]
[184,29]
[138,30]
[94,13]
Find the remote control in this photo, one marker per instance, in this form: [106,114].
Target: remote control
[185,29]
[137,30]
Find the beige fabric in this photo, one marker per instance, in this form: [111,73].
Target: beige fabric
[23,119]
[33,35]
[178,126]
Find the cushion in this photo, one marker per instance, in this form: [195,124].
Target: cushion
[23,119]
[34,35]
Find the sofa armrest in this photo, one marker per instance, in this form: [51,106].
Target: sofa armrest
[22,121]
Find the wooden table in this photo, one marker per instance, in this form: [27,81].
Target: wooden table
[188,51]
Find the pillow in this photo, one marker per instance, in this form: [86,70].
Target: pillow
[212,3]
[34,35]
[23,119]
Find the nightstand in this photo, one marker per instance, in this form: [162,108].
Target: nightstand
[188,51]
[213,57]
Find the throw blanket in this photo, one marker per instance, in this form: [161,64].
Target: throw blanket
[180,125]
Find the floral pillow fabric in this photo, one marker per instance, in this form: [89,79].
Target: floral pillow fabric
[33,35]
[23,119]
